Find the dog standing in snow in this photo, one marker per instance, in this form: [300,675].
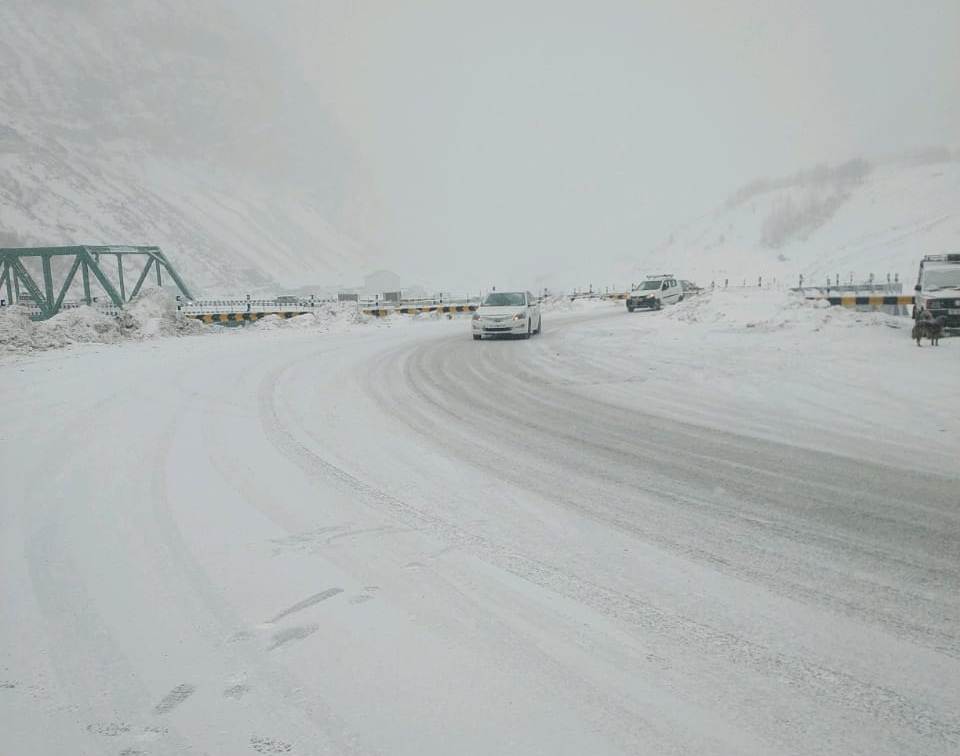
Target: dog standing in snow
[927,326]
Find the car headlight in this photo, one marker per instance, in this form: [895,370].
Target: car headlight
[520,316]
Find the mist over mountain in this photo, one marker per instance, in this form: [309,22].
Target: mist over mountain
[179,124]
[855,218]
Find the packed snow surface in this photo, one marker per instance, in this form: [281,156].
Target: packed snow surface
[729,527]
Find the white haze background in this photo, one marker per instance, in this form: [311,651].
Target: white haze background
[462,144]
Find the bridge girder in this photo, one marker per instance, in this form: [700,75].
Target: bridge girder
[49,296]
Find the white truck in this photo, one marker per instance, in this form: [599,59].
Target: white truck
[938,289]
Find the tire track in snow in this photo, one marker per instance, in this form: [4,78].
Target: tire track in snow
[290,634]
[306,604]
[277,689]
[674,517]
[815,681]
[174,698]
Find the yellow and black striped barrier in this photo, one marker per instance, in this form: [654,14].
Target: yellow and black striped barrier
[873,300]
[380,312]
[240,317]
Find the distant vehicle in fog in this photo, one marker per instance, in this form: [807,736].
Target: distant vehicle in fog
[654,293]
[507,313]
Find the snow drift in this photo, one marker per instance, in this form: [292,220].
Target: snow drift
[771,309]
[153,314]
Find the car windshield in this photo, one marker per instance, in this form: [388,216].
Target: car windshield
[648,285]
[505,299]
[943,278]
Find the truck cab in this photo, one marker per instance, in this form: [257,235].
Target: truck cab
[938,289]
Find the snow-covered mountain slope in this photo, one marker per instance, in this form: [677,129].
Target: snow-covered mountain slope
[170,123]
[858,217]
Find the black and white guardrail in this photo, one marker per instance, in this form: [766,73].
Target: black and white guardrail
[403,310]
[382,311]
[872,300]
[239,317]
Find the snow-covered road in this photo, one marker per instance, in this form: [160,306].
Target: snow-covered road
[396,540]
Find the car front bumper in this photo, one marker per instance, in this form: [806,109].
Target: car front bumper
[500,328]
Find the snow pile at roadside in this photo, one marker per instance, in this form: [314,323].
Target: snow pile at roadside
[771,310]
[565,304]
[327,318]
[15,328]
[153,314]
[18,334]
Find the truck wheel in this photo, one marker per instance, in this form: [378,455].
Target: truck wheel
[476,337]
[629,308]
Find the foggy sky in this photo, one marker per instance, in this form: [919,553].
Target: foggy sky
[527,143]
[508,139]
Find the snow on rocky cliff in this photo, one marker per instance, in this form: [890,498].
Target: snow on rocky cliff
[144,122]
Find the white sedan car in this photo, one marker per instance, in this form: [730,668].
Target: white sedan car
[507,313]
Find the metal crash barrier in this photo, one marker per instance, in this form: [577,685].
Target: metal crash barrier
[241,310]
[380,308]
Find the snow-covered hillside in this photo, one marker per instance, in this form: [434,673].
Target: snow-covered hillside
[860,217]
[144,123]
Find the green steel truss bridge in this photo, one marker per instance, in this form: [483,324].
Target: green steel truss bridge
[57,267]
[44,278]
